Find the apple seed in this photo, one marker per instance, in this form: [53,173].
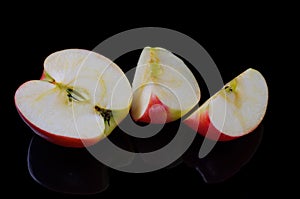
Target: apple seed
[228,88]
[105,113]
[72,94]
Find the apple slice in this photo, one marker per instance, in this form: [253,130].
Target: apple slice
[80,100]
[164,89]
[236,110]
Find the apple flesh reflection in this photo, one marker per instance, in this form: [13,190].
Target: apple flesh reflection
[164,89]
[236,110]
[80,99]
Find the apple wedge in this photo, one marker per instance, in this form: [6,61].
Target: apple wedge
[235,110]
[164,89]
[80,99]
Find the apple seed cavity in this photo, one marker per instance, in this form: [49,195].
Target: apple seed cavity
[72,94]
[228,88]
[105,113]
[155,66]
[231,86]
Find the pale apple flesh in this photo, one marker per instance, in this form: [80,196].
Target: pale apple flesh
[236,110]
[80,99]
[164,89]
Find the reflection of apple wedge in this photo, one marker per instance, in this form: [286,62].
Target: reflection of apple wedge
[66,170]
[79,101]
[235,110]
[226,158]
[164,88]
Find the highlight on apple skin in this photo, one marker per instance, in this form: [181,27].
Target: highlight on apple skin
[164,89]
[81,97]
[235,110]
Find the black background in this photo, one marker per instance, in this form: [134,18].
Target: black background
[248,38]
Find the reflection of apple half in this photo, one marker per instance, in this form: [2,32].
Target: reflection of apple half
[235,110]
[164,88]
[80,99]
[65,170]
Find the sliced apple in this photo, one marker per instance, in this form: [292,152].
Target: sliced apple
[164,89]
[80,99]
[236,110]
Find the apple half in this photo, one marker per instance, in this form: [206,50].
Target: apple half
[235,110]
[80,99]
[164,89]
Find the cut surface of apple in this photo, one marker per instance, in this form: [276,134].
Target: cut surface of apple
[164,89]
[235,110]
[80,99]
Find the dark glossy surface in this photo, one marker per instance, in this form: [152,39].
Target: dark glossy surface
[226,158]
[76,171]
[65,170]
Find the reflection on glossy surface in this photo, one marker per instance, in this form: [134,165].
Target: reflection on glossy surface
[159,140]
[226,158]
[65,170]
[76,171]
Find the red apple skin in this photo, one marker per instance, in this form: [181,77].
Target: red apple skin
[43,75]
[58,139]
[200,122]
[159,112]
